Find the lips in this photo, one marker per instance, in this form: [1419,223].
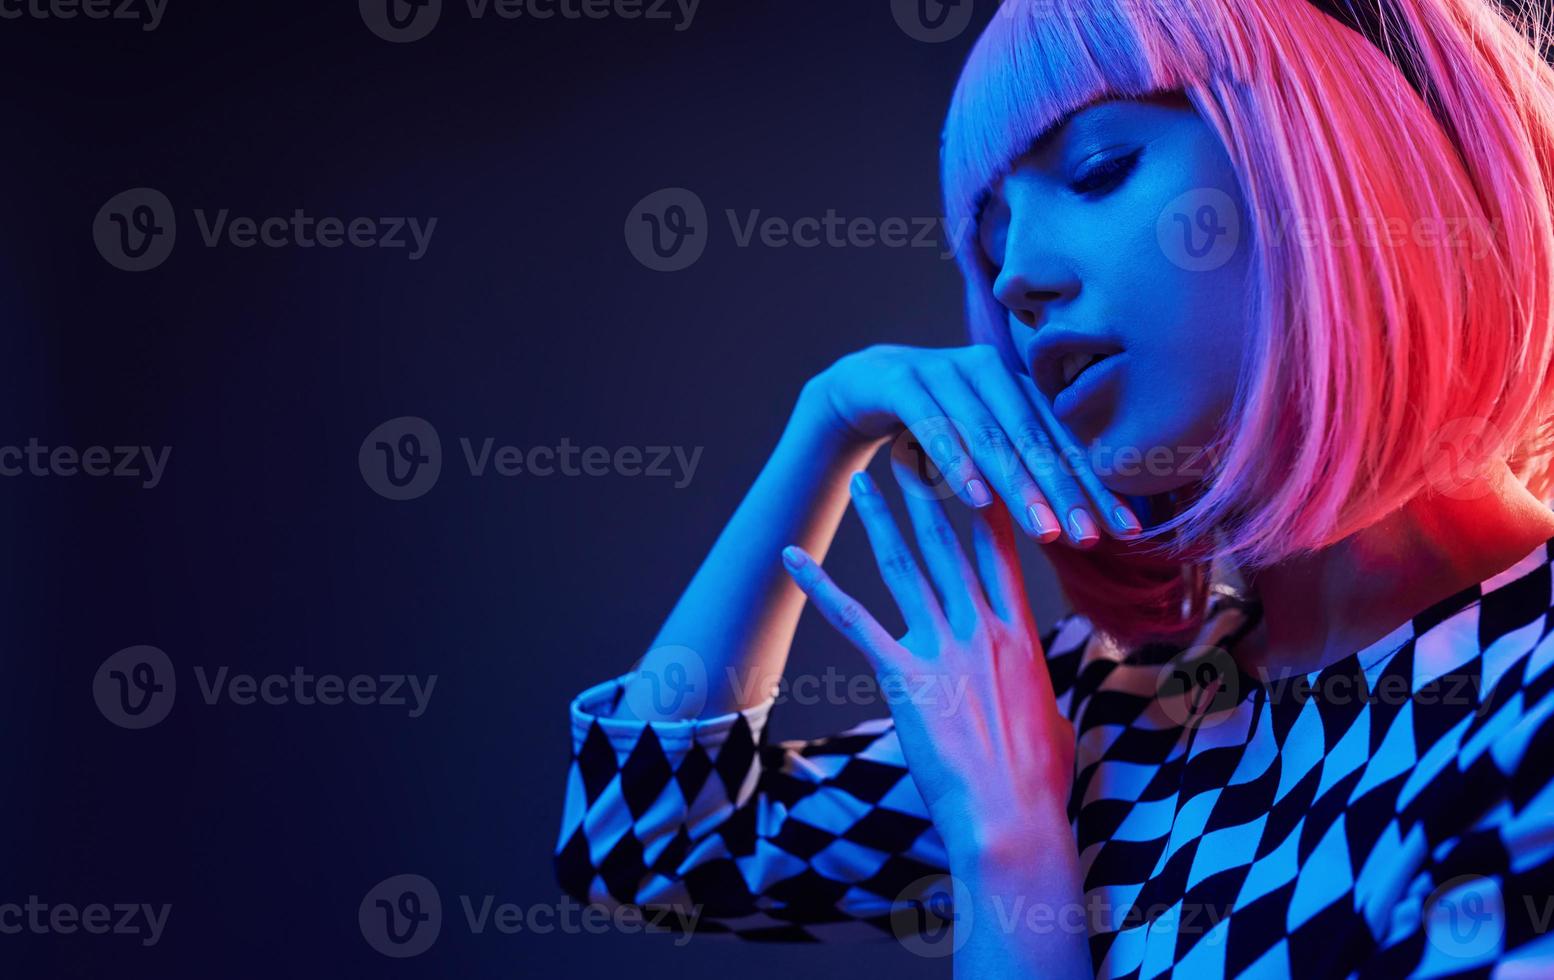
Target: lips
[1076,362]
[1061,356]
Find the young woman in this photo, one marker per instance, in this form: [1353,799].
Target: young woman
[1261,295]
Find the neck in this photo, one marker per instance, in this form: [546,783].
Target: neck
[1322,606]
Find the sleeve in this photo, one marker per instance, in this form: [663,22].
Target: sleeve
[707,827]
[1483,902]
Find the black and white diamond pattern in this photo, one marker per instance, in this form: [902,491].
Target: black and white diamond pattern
[1391,815]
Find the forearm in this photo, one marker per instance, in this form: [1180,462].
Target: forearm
[1027,915]
[739,612]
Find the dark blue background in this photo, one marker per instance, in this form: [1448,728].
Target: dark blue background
[528,320]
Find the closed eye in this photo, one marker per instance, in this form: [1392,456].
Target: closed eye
[1107,175]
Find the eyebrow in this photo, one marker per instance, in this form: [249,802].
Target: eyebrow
[1050,133]
[1043,139]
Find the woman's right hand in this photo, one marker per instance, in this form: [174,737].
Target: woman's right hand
[987,429]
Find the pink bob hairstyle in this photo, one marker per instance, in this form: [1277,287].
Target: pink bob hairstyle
[1373,358]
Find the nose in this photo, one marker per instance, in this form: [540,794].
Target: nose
[1027,285]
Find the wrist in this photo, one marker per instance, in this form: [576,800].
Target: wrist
[815,422]
[985,849]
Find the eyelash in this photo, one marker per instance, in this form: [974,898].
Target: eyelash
[1112,172]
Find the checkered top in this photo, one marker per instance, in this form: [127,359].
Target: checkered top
[1389,815]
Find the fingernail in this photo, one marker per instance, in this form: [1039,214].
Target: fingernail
[1082,527]
[1125,519]
[862,485]
[1043,521]
[792,557]
[977,491]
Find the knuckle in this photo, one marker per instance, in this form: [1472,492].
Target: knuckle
[984,355]
[936,372]
[1038,456]
[942,533]
[989,436]
[951,458]
[1031,439]
[898,562]
[896,372]
[849,616]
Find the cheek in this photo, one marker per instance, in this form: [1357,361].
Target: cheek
[1186,336]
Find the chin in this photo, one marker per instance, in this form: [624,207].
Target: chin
[1135,462]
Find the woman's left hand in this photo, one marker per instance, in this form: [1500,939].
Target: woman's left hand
[999,759]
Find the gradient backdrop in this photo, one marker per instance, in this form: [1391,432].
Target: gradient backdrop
[527,319]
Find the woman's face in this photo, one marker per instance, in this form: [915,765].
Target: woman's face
[1119,237]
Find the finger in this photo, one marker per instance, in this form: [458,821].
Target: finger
[840,609]
[954,385]
[936,539]
[1022,439]
[915,405]
[998,562]
[1067,466]
[898,566]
